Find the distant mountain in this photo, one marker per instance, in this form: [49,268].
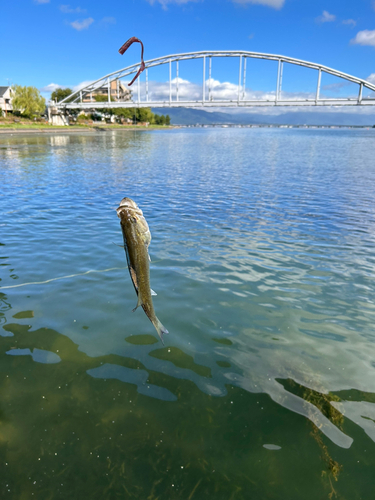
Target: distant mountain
[190,116]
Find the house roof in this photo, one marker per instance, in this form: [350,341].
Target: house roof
[3,90]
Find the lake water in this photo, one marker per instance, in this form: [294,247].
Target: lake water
[263,260]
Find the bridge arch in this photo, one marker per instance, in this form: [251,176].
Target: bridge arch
[76,100]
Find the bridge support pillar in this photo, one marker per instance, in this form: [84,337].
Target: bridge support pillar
[57,117]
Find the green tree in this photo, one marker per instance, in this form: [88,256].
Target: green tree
[102,98]
[167,120]
[144,115]
[28,101]
[160,119]
[157,119]
[135,114]
[60,94]
[123,112]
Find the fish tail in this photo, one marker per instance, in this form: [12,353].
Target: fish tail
[160,329]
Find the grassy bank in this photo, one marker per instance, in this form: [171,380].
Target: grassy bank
[23,124]
[42,127]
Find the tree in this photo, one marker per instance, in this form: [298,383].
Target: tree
[159,119]
[135,114]
[144,115]
[102,98]
[28,101]
[123,112]
[167,120]
[59,94]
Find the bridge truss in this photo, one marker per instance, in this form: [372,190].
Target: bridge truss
[82,99]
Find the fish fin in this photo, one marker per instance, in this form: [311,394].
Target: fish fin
[139,303]
[149,258]
[134,278]
[133,275]
[121,246]
[152,292]
[160,329]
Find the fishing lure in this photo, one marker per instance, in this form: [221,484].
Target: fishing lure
[125,47]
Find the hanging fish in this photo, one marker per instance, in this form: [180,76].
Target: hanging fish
[137,238]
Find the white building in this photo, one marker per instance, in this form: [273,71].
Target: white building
[6,99]
[118,92]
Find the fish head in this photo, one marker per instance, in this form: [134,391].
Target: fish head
[128,203]
[131,215]
[129,207]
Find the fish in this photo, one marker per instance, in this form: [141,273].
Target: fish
[137,238]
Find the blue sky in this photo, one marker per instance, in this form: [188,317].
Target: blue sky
[49,42]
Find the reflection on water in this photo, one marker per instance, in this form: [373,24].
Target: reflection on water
[137,377]
[38,355]
[263,261]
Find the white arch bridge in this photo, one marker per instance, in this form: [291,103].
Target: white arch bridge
[173,94]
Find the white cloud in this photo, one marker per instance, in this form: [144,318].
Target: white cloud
[326,17]
[68,10]
[335,87]
[276,4]
[222,90]
[51,87]
[108,20]
[41,1]
[164,3]
[365,37]
[349,22]
[179,81]
[219,91]
[371,78]
[82,25]
[227,91]
[81,85]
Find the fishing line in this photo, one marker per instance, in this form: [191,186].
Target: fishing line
[63,277]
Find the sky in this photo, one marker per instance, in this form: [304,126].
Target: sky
[50,43]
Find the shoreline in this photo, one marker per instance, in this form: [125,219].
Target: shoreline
[9,130]
[76,130]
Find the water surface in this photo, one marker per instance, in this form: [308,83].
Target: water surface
[263,259]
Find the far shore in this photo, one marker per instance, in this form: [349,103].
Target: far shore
[91,128]
[49,129]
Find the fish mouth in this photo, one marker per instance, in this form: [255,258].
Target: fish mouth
[128,204]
